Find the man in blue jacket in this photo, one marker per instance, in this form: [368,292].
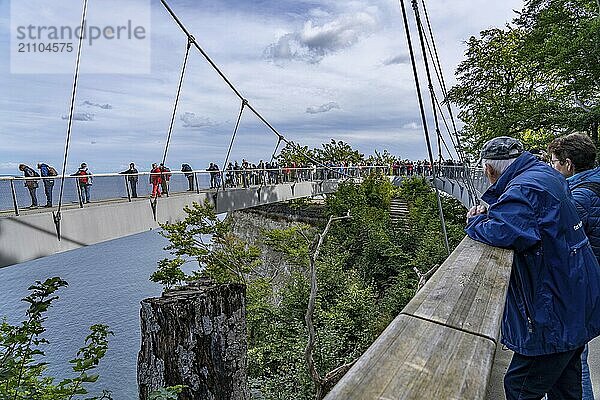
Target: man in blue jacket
[574,156]
[553,302]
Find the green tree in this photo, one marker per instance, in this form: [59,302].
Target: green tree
[383,158]
[21,353]
[339,151]
[204,238]
[294,153]
[538,75]
[562,38]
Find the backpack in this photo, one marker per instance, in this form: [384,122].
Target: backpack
[52,171]
[83,180]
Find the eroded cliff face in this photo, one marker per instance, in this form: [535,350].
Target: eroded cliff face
[195,336]
[251,224]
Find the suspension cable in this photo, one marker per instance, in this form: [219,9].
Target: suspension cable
[439,73]
[424,121]
[183,67]
[237,125]
[279,139]
[57,216]
[237,93]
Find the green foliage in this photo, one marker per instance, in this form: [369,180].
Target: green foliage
[169,272]
[168,393]
[292,243]
[364,271]
[365,277]
[294,153]
[338,151]
[384,158]
[21,355]
[422,237]
[332,151]
[223,257]
[538,75]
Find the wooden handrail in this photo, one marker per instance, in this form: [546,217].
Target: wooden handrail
[442,344]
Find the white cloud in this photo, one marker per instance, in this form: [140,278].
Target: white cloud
[399,59]
[323,108]
[349,52]
[313,42]
[105,106]
[80,116]
[191,120]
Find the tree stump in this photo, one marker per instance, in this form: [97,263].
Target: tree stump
[195,336]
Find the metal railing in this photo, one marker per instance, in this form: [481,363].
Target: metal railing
[16,192]
[462,173]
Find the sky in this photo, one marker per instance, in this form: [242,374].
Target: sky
[315,69]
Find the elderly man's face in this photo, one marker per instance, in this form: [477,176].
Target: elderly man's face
[490,173]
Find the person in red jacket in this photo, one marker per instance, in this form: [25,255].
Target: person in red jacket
[155,180]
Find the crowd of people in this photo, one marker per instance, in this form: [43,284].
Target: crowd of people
[236,174]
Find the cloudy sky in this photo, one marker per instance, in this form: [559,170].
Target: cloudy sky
[315,69]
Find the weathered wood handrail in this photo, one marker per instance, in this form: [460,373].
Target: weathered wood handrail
[442,344]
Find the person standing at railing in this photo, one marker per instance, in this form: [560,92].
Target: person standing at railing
[165,177]
[262,174]
[84,182]
[230,175]
[552,307]
[132,178]
[574,156]
[214,173]
[155,180]
[30,184]
[46,172]
[245,178]
[187,170]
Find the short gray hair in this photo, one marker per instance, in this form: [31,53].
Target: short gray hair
[498,165]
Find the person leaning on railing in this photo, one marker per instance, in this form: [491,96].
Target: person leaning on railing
[574,156]
[48,173]
[30,184]
[553,302]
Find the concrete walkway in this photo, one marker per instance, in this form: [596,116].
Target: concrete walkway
[496,390]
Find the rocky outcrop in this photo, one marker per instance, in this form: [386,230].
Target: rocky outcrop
[195,336]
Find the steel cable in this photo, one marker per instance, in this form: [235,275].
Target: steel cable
[237,125]
[57,216]
[237,93]
[424,121]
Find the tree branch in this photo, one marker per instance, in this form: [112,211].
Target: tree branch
[308,352]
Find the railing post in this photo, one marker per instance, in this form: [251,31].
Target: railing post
[196,181]
[14,196]
[127,188]
[79,194]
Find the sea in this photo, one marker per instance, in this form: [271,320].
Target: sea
[107,281]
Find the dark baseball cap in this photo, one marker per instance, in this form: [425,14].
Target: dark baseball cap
[502,148]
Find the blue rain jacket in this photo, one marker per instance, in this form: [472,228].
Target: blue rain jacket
[553,299]
[588,205]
